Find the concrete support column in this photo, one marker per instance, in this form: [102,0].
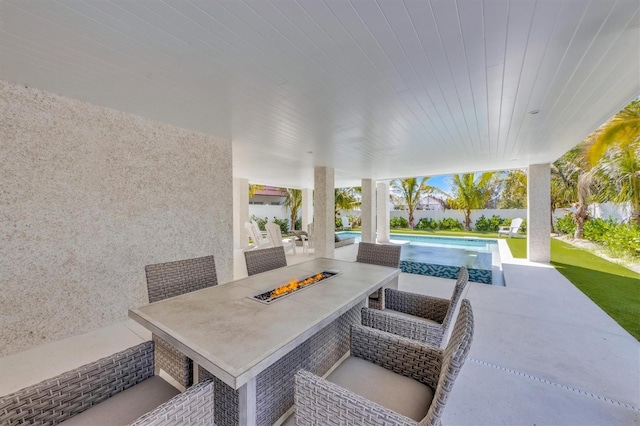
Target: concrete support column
[368,213]
[240,212]
[382,207]
[307,208]
[538,211]
[324,225]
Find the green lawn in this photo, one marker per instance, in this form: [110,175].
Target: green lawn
[614,288]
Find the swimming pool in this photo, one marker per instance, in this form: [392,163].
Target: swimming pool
[443,256]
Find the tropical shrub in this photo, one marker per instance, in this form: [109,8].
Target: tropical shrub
[596,229]
[260,222]
[298,225]
[283,224]
[491,224]
[566,225]
[427,224]
[355,220]
[450,223]
[398,222]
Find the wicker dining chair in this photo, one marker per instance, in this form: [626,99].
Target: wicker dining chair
[265,260]
[117,389]
[165,280]
[417,316]
[387,380]
[383,255]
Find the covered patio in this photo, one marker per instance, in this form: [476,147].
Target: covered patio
[543,353]
[130,131]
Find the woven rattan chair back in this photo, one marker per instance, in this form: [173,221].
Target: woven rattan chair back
[453,358]
[461,284]
[172,279]
[379,254]
[265,260]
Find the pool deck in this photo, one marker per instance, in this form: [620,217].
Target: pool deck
[542,353]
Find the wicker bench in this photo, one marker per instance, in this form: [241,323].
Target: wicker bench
[116,390]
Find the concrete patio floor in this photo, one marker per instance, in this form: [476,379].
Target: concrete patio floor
[542,353]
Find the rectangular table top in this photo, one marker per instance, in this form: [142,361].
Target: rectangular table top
[235,338]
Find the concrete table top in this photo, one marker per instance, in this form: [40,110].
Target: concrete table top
[235,338]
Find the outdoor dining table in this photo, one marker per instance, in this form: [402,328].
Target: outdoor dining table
[254,349]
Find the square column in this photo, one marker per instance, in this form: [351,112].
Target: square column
[538,213]
[382,207]
[324,225]
[240,212]
[307,208]
[368,213]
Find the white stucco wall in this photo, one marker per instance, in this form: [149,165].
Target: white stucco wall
[88,197]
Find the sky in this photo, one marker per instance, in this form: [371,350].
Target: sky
[441,182]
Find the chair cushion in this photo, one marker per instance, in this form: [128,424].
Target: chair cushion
[125,407]
[393,391]
[402,314]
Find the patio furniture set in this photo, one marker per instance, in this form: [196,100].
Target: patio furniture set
[338,362]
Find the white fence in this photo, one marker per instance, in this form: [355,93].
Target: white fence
[619,212]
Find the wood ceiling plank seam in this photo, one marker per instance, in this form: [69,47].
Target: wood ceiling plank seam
[179,91]
[360,48]
[469,51]
[496,44]
[373,37]
[468,143]
[414,88]
[530,14]
[188,34]
[257,87]
[449,118]
[601,91]
[547,73]
[318,47]
[205,12]
[569,53]
[22,77]
[601,55]
[547,28]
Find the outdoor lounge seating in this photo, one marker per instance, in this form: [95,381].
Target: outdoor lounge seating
[258,240]
[511,230]
[275,237]
[345,222]
[171,279]
[379,254]
[116,390]
[387,380]
[416,316]
[265,260]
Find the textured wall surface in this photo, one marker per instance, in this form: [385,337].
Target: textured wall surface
[538,211]
[323,204]
[88,197]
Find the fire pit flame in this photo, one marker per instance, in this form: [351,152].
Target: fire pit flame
[293,286]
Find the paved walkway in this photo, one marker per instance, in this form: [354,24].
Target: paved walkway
[543,353]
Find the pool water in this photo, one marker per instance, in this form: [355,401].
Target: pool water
[443,256]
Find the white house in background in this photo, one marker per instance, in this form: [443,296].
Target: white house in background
[269,195]
[431,203]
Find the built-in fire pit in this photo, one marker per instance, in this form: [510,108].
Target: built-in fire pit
[293,286]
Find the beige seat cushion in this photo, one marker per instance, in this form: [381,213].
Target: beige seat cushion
[125,407]
[393,391]
[402,314]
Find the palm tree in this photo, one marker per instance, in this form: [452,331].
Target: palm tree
[614,150]
[294,203]
[253,188]
[514,195]
[409,192]
[622,166]
[345,199]
[472,191]
[621,130]
[574,182]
